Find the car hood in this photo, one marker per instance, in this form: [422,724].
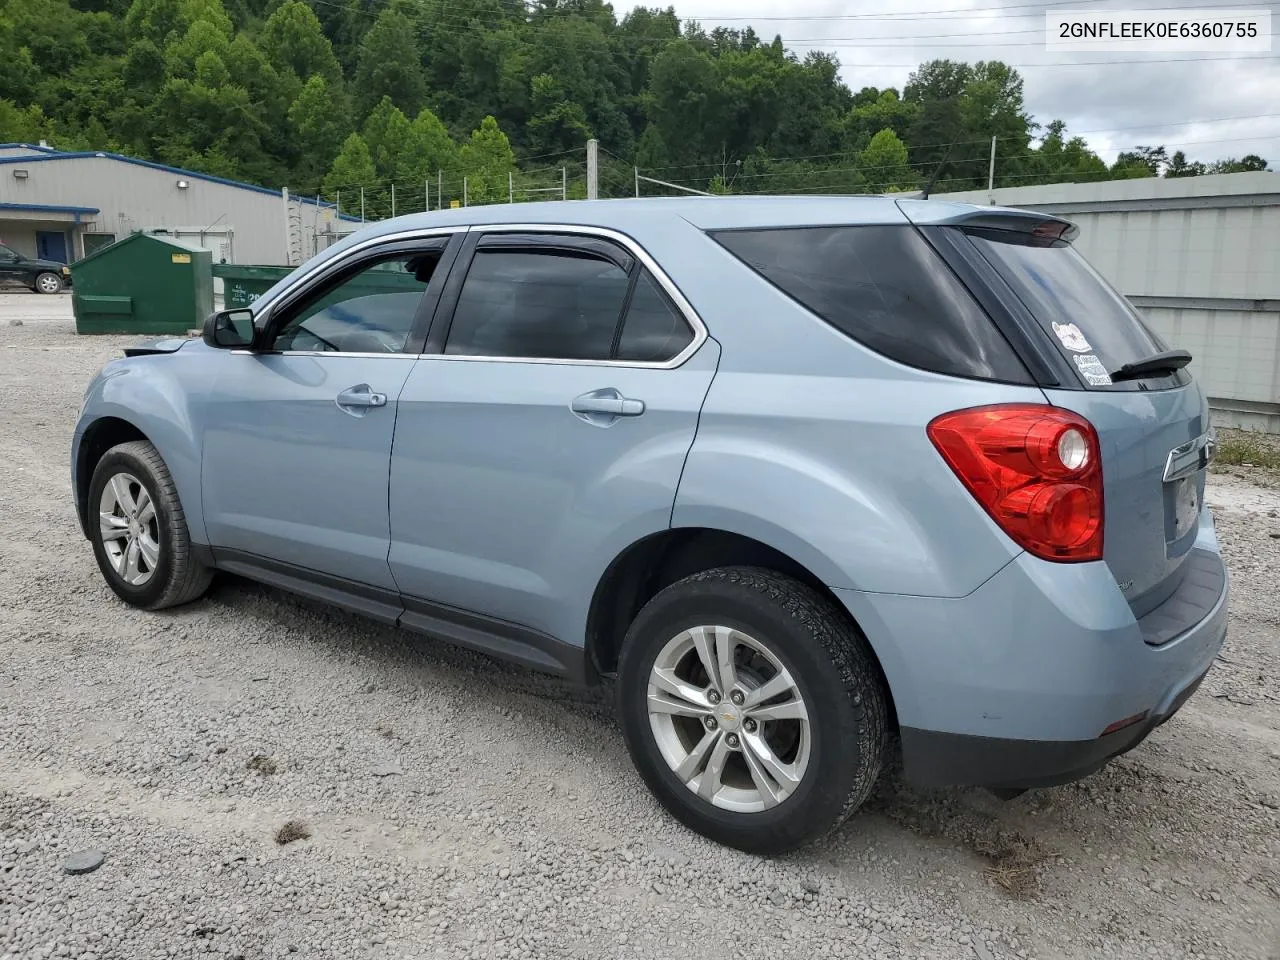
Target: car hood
[161,345]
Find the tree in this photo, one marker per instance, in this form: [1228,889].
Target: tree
[487,160]
[386,131]
[319,122]
[351,170]
[430,153]
[1251,162]
[558,123]
[884,164]
[388,65]
[293,40]
[22,124]
[1179,167]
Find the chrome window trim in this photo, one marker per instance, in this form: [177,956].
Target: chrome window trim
[317,274]
[682,304]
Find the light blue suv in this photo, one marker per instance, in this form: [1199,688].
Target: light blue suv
[799,474]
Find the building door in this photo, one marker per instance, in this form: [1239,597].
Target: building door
[51,246]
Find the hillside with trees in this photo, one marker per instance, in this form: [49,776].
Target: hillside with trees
[346,96]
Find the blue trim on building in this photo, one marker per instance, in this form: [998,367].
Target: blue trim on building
[84,154]
[48,208]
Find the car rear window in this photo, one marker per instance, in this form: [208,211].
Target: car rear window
[885,287]
[1093,325]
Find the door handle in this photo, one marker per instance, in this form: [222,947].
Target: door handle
[360,396]
[606,403]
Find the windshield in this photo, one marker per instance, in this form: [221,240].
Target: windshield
[1092,324]
[6,253]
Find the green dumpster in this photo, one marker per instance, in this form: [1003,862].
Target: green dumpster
[242,284]
[143,284]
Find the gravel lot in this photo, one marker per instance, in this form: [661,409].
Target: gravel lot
[458,807]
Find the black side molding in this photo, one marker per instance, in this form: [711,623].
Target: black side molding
[497,638]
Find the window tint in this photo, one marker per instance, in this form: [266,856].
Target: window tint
[886,288]
[551,304]
[1060,289]
[654,330]
[370,312]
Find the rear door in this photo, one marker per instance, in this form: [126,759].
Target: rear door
[545,430]
[1154,430]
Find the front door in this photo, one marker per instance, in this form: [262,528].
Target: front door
[546,436]
[297,443]
[51,245]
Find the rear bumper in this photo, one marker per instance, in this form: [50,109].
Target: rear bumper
[1015,684]
[956,759]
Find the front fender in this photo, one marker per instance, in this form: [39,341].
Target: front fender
[161,396]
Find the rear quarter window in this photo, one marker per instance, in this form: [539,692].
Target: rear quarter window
[886,288]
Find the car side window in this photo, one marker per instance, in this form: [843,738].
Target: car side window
[552,303]
[371,311]
[653,331]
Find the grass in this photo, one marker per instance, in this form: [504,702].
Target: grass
[291,831]
[1240,448]
[1013,864]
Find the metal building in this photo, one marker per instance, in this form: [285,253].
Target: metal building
[1200,257]
[61,206]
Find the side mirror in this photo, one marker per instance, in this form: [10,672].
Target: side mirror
[230,329]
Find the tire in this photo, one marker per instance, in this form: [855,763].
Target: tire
[48,283]
[835,753]
[164,570]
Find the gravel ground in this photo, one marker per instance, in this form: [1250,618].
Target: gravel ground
[461,808]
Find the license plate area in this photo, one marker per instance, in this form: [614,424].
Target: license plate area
[1186,504]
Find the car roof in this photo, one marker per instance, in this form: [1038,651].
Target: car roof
[706,213]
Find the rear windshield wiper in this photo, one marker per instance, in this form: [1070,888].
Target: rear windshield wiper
[1159,363]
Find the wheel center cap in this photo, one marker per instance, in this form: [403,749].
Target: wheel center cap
[729,716]
[135,528]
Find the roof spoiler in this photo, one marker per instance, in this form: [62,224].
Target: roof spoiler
[1033,222]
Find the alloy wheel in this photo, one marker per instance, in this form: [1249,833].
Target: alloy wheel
[729,718]
[130,529]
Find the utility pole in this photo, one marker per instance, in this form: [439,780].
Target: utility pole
[338,204]
[393,200]
[511,187]
[426,195]
[464,191]
[284,203]
[991,172]
[362,204]
[593,169]
[637,173]
[564,183]
[439,189]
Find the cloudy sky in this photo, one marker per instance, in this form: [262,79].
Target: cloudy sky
[1128,99]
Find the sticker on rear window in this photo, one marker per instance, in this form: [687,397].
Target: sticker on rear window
[1072,338]
[1092,370]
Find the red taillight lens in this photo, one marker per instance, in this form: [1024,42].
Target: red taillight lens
[1036,469]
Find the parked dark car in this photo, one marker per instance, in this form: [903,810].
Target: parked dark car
[42,276]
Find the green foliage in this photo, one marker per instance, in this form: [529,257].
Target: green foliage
[388,65]
[294,40]
[352,168]
[883,164]
[487,160]
[329,94]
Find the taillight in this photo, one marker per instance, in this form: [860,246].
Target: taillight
[1035,469]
